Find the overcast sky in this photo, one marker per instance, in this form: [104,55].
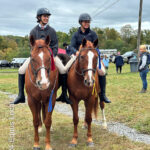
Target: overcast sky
[17,17]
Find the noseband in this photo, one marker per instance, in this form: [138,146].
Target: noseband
[85,70]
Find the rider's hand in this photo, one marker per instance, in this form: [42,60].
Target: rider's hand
[100,72]
[77,53]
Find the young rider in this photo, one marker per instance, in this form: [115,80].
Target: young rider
[41,31]
[84,31]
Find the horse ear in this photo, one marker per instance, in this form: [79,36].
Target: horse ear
[95,43]
[84,42]
[32,41]
[47,40]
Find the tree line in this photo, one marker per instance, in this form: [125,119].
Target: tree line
[109,38]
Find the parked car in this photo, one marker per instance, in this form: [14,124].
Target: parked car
[17,62]
[127,56]
[4,63]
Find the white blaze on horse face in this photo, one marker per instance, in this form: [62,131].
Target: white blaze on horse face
[90,64]
[44,80]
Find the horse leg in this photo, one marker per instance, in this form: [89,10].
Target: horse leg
[40,121]
[34,109]
[104,123]
[74,107]
[85,126]
[88,118]
[48,122]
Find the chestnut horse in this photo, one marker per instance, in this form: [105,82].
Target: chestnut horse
[83,85]
[40,80]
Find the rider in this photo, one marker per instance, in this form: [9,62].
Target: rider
[41,31]
[84,31]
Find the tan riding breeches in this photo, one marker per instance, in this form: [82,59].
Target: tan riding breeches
[62,69]
[23,68]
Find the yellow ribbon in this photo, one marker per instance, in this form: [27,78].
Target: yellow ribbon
[94,92]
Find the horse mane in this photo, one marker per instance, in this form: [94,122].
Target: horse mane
[89,44]
[39,44]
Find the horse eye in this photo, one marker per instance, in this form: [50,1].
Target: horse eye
[82,56]
[33,59]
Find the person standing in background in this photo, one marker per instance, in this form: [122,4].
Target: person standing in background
[106,63]
[119,62]
[143,67]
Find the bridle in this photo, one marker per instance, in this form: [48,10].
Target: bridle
[35,71]
[84,70]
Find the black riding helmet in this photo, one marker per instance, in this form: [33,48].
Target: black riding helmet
[42,11]
[84,17]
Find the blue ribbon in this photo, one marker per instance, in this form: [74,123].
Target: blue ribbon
[50,102]
[99,56]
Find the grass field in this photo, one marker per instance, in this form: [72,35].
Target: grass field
[128,106]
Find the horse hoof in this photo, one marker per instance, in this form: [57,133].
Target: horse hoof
[72,145]
[36,148]
[90,144]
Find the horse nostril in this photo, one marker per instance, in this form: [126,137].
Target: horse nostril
[39,83]
[93,81]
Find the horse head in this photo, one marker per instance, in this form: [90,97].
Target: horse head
[87,61]
[40,62]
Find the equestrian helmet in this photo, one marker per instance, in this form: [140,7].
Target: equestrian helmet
[43,11]
[84,17]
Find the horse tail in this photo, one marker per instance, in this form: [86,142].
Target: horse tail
[95,107]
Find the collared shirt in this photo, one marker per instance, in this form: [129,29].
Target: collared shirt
[43,27]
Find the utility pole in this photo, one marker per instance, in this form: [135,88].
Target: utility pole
[139,26]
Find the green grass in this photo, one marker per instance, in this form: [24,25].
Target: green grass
[128,106]
[61,136]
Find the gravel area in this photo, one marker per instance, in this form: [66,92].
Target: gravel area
[113,127]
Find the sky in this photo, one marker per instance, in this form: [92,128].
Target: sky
[18,17]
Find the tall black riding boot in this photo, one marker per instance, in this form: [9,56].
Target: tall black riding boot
[63,97]
[20,98]
[102,82]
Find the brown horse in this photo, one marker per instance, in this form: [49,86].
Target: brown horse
[82,82]
[40,80]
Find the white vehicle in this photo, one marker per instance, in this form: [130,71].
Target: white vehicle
[108,52]
[17,62]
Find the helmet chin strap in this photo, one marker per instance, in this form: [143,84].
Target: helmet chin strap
[41,22]
[85,28]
